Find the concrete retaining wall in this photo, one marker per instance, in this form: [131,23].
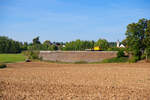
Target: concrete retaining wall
[75,56]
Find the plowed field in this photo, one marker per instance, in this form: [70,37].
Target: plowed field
[49,81]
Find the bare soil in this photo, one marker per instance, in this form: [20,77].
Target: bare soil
[50,81]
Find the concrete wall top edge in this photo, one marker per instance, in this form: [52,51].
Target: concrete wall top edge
[78,51]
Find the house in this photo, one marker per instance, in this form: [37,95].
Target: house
[120,45]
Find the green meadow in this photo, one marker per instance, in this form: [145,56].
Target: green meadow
[11,58]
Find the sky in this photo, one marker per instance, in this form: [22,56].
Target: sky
[68,20]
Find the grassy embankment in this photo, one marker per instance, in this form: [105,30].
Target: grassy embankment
[11,58]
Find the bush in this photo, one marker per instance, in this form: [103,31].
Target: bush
[3,66]
[31,54]
[34,55]
[120,53]
[116,60]
[26,53]
[143,57]
[133,59]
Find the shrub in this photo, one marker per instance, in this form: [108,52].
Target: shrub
[31,54]
[116,60]
[3,66]
[133,59]
[26,53]
[120,53]
[143,56]
[34,55]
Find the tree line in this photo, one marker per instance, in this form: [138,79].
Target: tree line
[11,46]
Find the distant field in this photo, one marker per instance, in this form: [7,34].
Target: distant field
[11,58]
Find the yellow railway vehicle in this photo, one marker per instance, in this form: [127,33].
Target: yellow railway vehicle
[97,48]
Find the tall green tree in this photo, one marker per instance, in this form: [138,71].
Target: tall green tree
[46,45]
[147,40]
[36,45]
[36,41]
[137,37]
[102,43]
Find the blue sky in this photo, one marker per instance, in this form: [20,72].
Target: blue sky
[66,20]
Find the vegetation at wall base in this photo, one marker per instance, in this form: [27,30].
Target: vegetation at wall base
[134,59]
[116,60]
[120,53]
[121,58]
[3,66]
[81,62]
[58,62]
